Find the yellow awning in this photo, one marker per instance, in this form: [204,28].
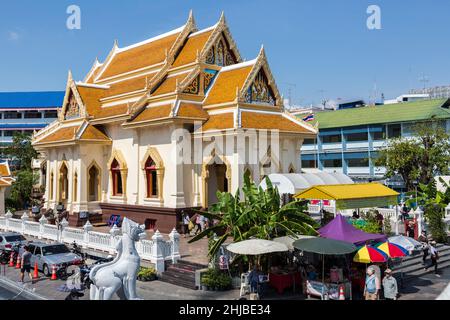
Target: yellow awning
[350,196]
[347,191]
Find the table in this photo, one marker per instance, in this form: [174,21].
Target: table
[282,281]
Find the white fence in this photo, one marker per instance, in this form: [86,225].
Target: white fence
[157,250]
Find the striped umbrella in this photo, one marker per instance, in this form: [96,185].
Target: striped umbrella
[392,250]
[370,254]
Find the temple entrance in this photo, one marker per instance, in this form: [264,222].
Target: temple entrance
[94,183]
[63,184]
[217,181]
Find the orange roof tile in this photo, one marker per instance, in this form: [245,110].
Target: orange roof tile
[94,74]
[190,110]
[219,122]
[189,52]
[60,135]
[4,170]
[154,113]
[169,84]
[106,112]
[92,133]
[224,87]
[254,120]
[129,85]
[91,98]
[139,57]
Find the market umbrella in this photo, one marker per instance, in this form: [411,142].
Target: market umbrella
[370,254]
[256,247]
[324,247]
[289,240]
[406,242]
[392,250]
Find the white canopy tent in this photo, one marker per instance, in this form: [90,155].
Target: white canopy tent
[293,183]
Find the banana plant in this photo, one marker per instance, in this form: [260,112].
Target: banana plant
[259,214]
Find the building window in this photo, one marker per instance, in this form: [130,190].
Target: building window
[116,178]
[331,139]
[9,133]
[309,142]
[377,136]
[152,178]
[361,162]
[50,114]
[394,131]
[308,164]
[334,163]
[75,187]
[352,137]
[12,115]
[32,115]
[94,183]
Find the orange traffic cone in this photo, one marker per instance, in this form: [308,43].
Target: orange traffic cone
[11,260]
[18,262]
[341,293]
[53,277]
[36,271]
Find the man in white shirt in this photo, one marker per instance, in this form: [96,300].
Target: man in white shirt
[434,257]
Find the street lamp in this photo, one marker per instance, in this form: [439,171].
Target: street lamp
[416,183]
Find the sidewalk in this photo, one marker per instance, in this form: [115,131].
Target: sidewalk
[45,288]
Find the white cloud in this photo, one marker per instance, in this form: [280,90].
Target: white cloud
[13,36]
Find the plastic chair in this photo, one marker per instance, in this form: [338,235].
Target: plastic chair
[245,284]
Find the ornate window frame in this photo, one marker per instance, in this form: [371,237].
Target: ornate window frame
[156,157]
[99,186]
[117,155]
[75,187]
[51,189]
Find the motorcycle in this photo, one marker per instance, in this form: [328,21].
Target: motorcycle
[86,269]
[77,250]
[5,256]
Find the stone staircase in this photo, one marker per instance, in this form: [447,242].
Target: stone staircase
[182,274]
[412,266]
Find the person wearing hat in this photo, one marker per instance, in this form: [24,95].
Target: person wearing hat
[390,288]
[372,285]
[434,257]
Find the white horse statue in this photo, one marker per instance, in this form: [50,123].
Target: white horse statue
[119,275]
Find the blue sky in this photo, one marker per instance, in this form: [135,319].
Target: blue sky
[321,46]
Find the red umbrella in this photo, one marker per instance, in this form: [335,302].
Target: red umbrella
[370,254]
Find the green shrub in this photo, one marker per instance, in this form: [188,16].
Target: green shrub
[146,274]
[216,279]
[437,225]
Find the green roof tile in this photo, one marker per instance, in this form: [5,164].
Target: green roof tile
[400,112]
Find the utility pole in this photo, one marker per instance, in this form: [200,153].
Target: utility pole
[425,79]
[290,86]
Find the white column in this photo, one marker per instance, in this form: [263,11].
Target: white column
[157,254]
[175,243]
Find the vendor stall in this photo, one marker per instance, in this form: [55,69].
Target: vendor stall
[335,283]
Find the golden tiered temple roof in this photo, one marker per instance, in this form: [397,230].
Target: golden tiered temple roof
[5,175]
[185,74]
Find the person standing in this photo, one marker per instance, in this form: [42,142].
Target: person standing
[372,285]
[405,214]
[434,256]
[26,264]
[185,220]
[198,224]
[410,232]
[390,288]
[425,247]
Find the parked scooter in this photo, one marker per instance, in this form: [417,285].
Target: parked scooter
[5,256]
[77,250]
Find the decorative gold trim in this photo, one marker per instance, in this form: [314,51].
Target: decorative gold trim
[117,154]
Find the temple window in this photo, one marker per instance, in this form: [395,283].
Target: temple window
[152,178]
[75,187]
[94,183]
[116,178]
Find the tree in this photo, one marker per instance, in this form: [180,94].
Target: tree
[22,187]
[259,215]
[22,151]
[420,157]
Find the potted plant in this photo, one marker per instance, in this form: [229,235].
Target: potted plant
[146,274]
